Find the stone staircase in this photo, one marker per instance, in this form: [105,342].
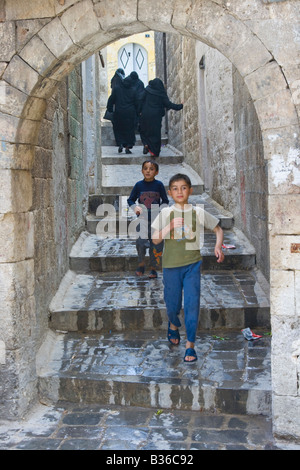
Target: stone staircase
[107,340]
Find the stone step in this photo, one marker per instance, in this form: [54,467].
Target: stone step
[124,215]
[120,178]
[231,376]
[108,138]
[94,253]
[111,156]
[99,302]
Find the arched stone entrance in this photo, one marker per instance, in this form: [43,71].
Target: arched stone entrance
[67,32]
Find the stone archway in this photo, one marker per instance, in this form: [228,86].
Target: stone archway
[67,32]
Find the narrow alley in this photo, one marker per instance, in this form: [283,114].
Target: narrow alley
[85,362]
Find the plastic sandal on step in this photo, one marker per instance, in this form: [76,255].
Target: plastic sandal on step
[140,271]
[191,353]
[153,274]
[173,334]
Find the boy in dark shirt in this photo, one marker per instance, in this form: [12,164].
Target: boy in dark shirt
[148,192]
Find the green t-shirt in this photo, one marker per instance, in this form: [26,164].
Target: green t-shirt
[182,245]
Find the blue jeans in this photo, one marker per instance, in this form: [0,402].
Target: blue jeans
[186,279]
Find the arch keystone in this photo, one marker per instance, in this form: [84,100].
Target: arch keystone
[159,16]
[112,13]
[81,22]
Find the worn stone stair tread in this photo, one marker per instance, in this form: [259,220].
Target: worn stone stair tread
[108,138]
[92,252]
[168,154]
[117,302]
[143,369]
[120,179]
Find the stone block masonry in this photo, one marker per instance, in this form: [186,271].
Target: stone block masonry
[71,31]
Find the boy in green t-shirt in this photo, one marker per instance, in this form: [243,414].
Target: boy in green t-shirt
[181,227]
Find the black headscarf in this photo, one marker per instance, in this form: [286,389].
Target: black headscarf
[120,73]
[156,87]
[117,78]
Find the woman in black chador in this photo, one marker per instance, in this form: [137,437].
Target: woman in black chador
[123,103]
[117,78]
[154,100]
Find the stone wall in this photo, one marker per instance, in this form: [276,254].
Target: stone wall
[59,206]
[251,174]
[182,126]
[59,200]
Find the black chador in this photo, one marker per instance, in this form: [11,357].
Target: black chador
[154,101]
[123,103]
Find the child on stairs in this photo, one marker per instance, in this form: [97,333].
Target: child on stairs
[151,194]
[179,226]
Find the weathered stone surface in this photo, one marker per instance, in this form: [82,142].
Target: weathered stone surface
[17,234]
[280,252]
[283,293]
[56,38]
[145,370]
[284,44]
[20,10]
[265,81]
[21,75]
[276,110]
[38,56]
[17,191]
[257,55]
[111,13]
[80,20]
[7,40]
[283,214]
[286,412]
[17,157]
[284,172]
[159,13]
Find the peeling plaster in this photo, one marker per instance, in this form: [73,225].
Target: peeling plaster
[286,169]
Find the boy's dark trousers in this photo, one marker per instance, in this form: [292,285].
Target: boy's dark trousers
[143,243]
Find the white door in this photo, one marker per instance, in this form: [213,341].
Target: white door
[134,57]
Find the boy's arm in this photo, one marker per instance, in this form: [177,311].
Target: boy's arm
[132,199]
[219,242]
[163,195]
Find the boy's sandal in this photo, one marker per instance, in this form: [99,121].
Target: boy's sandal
[173,334]
[153,274]
[140,270]
[192,353]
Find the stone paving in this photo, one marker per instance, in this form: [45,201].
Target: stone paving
[68,426]
[141,368]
